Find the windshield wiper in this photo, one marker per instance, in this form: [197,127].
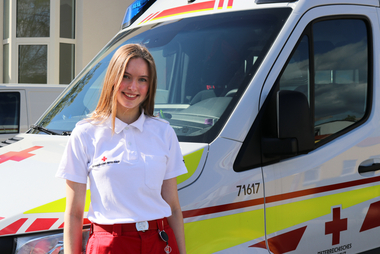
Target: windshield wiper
[47,131]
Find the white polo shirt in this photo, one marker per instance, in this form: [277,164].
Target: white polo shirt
[126,170]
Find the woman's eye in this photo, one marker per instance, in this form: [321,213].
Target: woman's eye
[126,76]
[143,80]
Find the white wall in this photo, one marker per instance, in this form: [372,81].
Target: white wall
[98,24]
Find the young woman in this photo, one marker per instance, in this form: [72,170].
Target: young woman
[132,160]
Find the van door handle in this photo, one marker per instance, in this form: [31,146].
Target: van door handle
[373,167]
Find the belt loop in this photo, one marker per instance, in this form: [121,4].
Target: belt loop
[160,224]
[116,230]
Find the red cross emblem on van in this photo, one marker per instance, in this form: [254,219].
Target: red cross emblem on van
[336,226]
[18,156]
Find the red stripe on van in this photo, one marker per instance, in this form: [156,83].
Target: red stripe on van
[222,208]
[372,219]
[41,224]
[187,8]
[276,198]
[283,243]
[221,2]
[149,17]
[13,228]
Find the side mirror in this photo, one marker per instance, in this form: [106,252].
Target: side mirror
[295,132]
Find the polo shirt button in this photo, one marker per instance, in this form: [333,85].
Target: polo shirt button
[127,128]
[129,143]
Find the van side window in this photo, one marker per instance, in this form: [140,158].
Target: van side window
[337,85]
[296,75]
[9,112]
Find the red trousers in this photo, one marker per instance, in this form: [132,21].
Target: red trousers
[118,239]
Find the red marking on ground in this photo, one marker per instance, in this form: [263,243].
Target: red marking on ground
[372,219]
[283,243]
[41,224]
[13,228]
[18,156]
[336,226]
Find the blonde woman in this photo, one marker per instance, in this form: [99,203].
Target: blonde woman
[131,159]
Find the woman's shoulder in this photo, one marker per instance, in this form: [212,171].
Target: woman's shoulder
[160,125]
[154,120]
[86,126]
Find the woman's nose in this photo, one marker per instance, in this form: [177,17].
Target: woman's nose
[133,85]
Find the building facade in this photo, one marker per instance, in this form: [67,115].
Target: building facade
[51,41]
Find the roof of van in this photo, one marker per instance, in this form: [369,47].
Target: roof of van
[166,10]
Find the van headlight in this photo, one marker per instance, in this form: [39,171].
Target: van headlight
[45,244]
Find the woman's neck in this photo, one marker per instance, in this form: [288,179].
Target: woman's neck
[128,115]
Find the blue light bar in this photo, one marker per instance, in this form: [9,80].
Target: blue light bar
[134,11]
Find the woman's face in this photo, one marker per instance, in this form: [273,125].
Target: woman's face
[133,90]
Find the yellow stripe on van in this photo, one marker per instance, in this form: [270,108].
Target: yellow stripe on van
[216,234]
[191,162]
[288,215]
[58,206]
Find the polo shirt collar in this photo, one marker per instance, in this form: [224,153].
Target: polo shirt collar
[120,125]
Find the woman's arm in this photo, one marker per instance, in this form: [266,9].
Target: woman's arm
[75,202]
[170,195]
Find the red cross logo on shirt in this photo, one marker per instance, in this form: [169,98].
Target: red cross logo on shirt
[104,158]
[18,156]
[335,226]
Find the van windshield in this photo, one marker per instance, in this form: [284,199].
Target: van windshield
[203,64]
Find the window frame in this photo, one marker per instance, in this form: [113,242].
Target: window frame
[250,155]
[369,97]
[308,31]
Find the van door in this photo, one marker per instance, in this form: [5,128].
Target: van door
[327,201]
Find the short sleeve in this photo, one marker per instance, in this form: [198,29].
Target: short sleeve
[74,161]
[175,164]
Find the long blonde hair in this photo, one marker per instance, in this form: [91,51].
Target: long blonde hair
[107,104]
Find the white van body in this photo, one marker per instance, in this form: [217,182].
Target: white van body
[274,105]
[23,104]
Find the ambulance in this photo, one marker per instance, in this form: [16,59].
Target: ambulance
[274,105]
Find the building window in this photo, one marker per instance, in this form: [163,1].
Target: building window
[66,63]
[33,18]
[39,38]
[32,64]
[67,19]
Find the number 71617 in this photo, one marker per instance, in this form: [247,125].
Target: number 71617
[248,189]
